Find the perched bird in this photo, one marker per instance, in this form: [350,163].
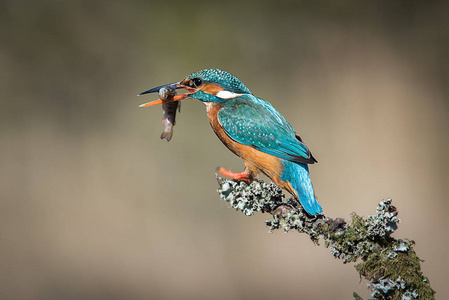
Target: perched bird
[253,130]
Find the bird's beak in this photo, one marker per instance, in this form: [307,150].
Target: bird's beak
[172,86]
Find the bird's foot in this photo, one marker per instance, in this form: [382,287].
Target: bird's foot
[236,176]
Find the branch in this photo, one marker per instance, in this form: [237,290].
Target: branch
[390,265]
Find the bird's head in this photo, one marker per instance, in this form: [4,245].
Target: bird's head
[208,85]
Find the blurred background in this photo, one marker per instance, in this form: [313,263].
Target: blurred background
[95,206]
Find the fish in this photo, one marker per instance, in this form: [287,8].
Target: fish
[169,112]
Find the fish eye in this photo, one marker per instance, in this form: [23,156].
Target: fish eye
[197,82]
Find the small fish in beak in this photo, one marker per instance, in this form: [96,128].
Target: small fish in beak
[170,103]
[169,111]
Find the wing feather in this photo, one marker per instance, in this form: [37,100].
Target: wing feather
[254,122]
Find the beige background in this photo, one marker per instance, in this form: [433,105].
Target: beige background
[95,206]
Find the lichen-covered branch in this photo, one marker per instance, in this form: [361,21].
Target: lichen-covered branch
[390,265]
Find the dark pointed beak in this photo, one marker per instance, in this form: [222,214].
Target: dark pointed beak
[172,86]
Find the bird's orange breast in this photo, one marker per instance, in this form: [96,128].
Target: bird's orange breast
[254,159]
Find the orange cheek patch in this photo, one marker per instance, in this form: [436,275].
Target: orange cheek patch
[211,88]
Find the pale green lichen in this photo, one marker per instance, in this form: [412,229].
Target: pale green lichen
[391,266]
[257,196]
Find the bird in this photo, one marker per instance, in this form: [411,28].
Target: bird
[252,129]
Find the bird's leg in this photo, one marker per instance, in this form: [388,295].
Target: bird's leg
[246,175]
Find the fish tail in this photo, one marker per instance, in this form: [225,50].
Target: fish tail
[167,133]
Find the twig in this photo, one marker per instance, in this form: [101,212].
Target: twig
[390,265]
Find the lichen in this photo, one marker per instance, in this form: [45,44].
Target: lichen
[404,268]
[250,198]
[390,265]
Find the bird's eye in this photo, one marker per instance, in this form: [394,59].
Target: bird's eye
[197,82]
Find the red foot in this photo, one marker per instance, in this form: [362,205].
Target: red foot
[237,176]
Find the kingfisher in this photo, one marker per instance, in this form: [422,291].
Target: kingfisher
[253,130]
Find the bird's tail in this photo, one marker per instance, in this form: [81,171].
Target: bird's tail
[297,174]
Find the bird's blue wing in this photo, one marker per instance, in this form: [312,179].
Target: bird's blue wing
[255,122]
